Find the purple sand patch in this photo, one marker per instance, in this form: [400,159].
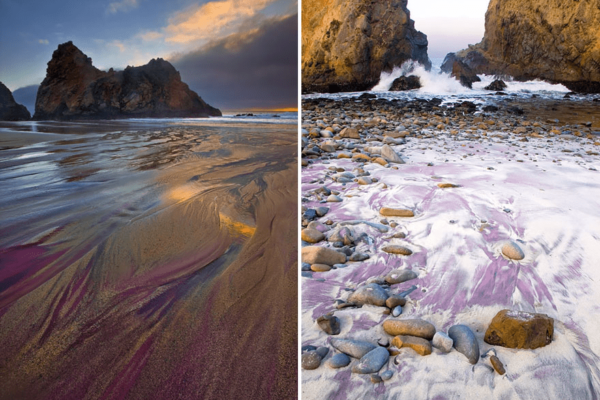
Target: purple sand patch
[364,323]
[345,385]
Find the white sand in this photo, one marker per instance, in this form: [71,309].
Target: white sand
[549,204]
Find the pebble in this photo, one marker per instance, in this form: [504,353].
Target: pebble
[395,249]
[322,255]
[353,348]
[321,211]
[339,360]
[497,364]
[369,294]
[412,327]
[334,199]
[376,378]
[311,360]
[312,235]
[465,342]
[344,235]
[322,351]
[390,155]
[442,341]
[330,324]
[446,185]
[394,301]
[359,257]
[513,251]
[400,275]
[372,361]
[387,375]
[396,311]
[418,344]
[395,212]
[320,268]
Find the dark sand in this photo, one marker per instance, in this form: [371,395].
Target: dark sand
[150,262]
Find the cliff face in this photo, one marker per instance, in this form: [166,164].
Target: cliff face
[558,41]
[10,110]
[75,89]
[346,44]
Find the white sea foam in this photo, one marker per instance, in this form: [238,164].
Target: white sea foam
[438,83]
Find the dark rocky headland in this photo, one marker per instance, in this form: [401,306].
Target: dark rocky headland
[10,110]
[75,89]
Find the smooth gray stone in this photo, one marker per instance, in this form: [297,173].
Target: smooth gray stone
[399,276]
[344,235]
[442,342]
[322,351]
[338,361]
[359,257]
[354,348]
[369,294]
[465,342]
[321,211]
[372,361]
[311,360]
[306,274]
[387,375]
[397,311]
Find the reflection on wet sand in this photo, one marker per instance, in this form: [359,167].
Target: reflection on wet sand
[168,271]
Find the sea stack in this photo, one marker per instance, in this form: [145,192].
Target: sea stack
[10,110]
[549,40]
[347,44]
[75,89]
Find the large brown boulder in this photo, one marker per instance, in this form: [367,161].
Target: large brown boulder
[75,89]
[552,40]
[347,44]
[405,83]
[520,330]
[10,110]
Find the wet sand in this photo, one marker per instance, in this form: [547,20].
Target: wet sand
[150,261]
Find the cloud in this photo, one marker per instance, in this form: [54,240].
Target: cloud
[149,36]
[118,44]
[124,5]
[43,41]
[212,20]
[256,68]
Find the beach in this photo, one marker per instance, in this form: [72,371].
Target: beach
[148,259]
[432,185]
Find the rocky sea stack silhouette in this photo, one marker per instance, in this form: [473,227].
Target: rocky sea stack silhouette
[10,110]
[347,44]
[75,89]
[552,40]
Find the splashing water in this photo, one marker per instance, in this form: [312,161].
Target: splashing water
[437,83]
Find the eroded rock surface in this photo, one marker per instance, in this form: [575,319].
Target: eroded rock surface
[551,40]
[520,330]
[347,44]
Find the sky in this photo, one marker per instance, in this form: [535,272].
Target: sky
[225,50]
[450,26]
